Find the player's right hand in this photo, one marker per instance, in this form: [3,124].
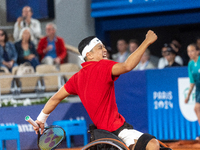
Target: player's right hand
[186,100]
[151,37]
[41,126]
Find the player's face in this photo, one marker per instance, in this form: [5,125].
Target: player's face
[99,52]
[192,52]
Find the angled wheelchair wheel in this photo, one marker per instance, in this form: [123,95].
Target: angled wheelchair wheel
[106,144]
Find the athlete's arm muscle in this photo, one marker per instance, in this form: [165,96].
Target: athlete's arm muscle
[55,100]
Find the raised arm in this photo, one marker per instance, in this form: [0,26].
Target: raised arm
[135,57]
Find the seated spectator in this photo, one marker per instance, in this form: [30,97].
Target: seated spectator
[163,61]
[145,62]
[26,49]
[170,54]
[26,20]
[51,48]
[123,53]
[8,54]
[133,45]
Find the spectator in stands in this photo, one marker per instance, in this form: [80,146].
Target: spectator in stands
[194,75]
[8,54]
[123,53]
[26,20]
[51,48]
[163,61]
[170,54]
[145,63]
[133,45]
[26,49]
[176,45]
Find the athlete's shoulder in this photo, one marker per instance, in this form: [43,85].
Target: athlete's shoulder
[107,61]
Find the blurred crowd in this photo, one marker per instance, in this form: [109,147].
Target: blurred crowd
[29,45]
[172,54]
[33,47]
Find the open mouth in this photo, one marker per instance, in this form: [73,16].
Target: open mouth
[104,56]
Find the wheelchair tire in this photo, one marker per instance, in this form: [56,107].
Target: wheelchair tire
[105,144]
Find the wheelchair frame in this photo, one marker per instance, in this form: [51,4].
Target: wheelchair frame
[104,140]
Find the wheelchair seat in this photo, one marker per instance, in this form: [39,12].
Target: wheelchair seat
[103,140]
[99,134]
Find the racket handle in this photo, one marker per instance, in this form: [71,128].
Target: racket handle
[31,121]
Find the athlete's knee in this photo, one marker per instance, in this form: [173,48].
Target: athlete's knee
[153,144]
[147,142]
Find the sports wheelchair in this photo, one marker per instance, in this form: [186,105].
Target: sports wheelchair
[104,140]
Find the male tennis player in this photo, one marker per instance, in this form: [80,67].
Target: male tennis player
[94,84]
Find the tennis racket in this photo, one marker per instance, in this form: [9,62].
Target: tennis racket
[51,137]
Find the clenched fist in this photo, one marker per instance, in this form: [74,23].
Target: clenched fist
[151,37]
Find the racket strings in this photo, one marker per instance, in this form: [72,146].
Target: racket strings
[51,138]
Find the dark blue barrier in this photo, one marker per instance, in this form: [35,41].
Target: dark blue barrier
[169,117]
[107,8]
[131,99]
[152,101]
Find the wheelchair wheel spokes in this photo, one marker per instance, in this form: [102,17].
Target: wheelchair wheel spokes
[105,144]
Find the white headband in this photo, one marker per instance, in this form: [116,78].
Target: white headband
[89,47]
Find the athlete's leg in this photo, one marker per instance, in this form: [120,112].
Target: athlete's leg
[153,144]
[146,142]
[136,140]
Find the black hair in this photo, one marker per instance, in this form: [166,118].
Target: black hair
[6,36]
[31,10]
[84,42]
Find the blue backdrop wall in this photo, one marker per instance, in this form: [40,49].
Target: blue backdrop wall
[113,15]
